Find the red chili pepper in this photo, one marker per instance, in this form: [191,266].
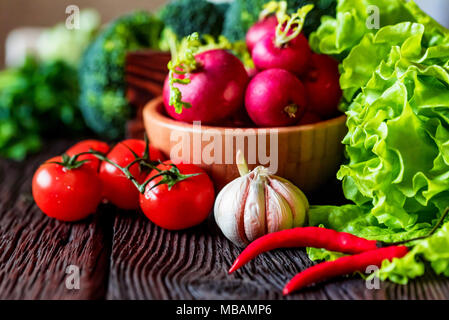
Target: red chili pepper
[305,237]
[342,266]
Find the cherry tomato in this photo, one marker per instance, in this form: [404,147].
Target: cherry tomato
[66,194]
[118,189]
[186,204]
[323,86]
[85,146]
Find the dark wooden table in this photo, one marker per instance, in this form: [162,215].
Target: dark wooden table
[122,255]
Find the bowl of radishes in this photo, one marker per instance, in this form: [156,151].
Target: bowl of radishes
[284,111]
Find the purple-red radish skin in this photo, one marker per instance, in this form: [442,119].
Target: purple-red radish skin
[259,30]
[293,56]
[269,93]
[309,118]
[322,84]
[216,90]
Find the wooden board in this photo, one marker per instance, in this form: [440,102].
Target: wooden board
[122,255]
[150,263]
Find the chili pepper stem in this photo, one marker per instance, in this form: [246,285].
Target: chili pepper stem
[431,232]
[343,266]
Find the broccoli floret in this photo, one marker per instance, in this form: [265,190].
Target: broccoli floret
[102,75]
[242,14]
[185,17]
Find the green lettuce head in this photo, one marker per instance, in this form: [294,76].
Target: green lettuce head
[397,139]
[396,90]
[355,18]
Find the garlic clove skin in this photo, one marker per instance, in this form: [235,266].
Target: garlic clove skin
[258,203]
[254,212]
[229,210]
[278,213]
[294,197]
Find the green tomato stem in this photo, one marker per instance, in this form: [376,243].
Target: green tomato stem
[170,177]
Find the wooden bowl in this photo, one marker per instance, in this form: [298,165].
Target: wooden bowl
[307,155]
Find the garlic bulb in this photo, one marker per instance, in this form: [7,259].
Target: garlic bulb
[258,203]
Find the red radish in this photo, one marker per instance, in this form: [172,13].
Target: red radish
[275,97]
[285,47]
[309,118]
[323,86]
[215,91]
[267,23]
[259,30]
[293,57]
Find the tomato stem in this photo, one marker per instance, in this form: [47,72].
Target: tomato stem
[71,162]
[124,170]
[170,177]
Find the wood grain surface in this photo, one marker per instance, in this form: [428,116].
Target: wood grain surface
[122,255]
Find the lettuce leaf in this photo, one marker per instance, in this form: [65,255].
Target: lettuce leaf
[433,250]
[337,36]
[397,136]
[395,85]
[359,220]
